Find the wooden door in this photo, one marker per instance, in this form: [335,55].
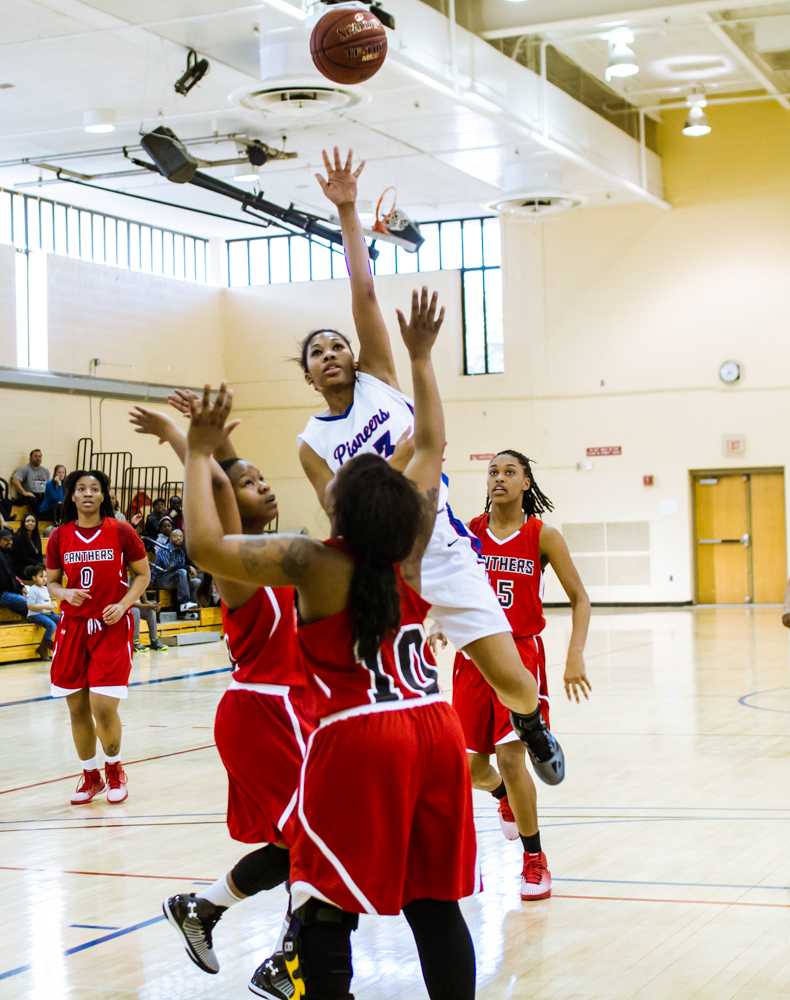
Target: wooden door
[721,515]
[769,552]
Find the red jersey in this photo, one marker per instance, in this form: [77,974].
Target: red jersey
[514,569]
[403,670]
[261,638]
[96,560]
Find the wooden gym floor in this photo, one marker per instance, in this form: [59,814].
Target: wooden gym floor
[668,841]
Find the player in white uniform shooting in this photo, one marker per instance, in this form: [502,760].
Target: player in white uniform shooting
[368,412]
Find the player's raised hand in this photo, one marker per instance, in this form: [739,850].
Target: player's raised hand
[181,400]
[575,678]
[420,331]
[208,426]
[147,421]
[340,183]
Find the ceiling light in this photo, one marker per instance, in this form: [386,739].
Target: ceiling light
[622,60]
[99,120]
[245,177]
[697,123]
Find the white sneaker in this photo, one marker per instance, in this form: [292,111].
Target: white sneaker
[116,783]
[507,820]
[535,877]
[188,606]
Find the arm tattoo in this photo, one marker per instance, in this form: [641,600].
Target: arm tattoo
[293,556]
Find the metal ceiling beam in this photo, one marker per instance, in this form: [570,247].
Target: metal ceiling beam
[83,385]
[743,57]
[638,14]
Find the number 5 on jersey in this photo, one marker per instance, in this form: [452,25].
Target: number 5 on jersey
[504,591]
[86,577]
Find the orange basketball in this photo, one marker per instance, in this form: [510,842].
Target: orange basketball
[348,46]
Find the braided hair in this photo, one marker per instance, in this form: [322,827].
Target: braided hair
[533,501]
[70,512]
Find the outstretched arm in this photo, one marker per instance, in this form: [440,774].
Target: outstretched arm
[223,498]
[340,187]
[425,468]
[269,560]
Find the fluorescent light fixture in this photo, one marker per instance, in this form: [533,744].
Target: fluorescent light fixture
[622,59]
[697,123]
[99,120]
[246,177]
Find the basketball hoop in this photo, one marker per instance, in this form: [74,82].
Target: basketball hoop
[381,225]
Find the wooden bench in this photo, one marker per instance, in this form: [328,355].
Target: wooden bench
[18,639]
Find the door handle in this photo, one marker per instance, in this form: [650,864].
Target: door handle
[745,539]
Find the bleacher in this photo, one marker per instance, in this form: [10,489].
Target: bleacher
[18,639]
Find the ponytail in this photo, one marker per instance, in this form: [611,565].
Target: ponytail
[377,512]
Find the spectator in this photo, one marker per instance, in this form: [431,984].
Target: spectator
[11,592]
[165,529]
[51,508]
[147,610]
[175,512]
[151,529]
[171,571]
[41,608]
[30,481]
[26,549]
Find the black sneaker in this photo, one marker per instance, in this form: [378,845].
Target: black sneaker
[543,747]
[195,919]
[271,979]
[159,647]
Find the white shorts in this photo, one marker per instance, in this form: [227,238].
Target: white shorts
[454,581]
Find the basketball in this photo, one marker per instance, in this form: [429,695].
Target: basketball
[348,46]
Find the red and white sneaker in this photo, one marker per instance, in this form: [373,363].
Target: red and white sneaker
[507,820]
[90,785]
[535,877]
[116,783]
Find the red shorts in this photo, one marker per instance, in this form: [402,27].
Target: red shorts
[485,720]
[89,654]
[385,812]
[261,740]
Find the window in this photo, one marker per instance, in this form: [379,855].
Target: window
[31,224]
[471,246]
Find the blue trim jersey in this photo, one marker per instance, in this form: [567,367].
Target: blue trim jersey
[454,582]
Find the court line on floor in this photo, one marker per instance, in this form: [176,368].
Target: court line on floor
[9,973]
[140,760]
[81,819]
[110,826]
[761,708]
[690,902]
[77,871]
[152,680]
[208,880]
[94,927]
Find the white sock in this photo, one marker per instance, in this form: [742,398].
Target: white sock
[283,931]
[112,760]
[92,764]
[220,893]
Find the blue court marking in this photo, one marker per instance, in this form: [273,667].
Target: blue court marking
[9,973]
[743,700]
[95,927]
[154,680]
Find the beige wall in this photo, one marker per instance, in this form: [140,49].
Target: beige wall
[616,322]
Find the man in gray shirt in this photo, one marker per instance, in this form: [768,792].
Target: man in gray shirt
[29,481]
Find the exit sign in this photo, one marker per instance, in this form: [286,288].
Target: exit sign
[610,449]
[483,456]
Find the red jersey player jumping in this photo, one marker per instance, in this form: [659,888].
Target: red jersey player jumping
[88,558]
[516,546]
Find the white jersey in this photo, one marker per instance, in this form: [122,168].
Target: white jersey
[453,578]
[377,419]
